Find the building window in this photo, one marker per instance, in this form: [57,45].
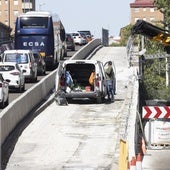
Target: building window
[144,19]
[136,9]
[6,22]
[6,2]
[0,2]
[136,19]
[16,13]
[152,18]
[144,9]
[151,9]
[6,12]
[15,2]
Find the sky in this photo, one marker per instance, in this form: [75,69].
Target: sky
[90,15]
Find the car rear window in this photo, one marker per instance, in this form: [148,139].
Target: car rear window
[6,68]
[75,34]
[18,58]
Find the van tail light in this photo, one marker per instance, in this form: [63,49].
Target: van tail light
[97,81]
[62,80]
[30,65]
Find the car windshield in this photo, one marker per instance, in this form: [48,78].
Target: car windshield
[85,32]
[19,58]
[75,34]
[7,68]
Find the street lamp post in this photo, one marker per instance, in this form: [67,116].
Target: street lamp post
[9,11]
[24,6]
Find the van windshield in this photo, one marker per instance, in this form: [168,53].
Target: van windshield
[19,58]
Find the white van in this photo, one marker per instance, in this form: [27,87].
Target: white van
[80,71]
[25,60]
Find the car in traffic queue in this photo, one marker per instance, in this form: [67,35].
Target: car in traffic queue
[87,34]
[79,38]
[70,42]
[4,92]
[41,65]
[25,60]
[14,75]
[80,71]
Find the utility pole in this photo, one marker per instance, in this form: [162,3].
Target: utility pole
[167,71]
[9,13]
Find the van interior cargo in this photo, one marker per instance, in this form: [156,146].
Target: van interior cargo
[80,74]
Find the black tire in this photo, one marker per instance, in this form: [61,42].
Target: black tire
[99,100]
[73,49]
[23,87]
[34,79]
[2,104]
[44,72]
[19,89]
[7,102]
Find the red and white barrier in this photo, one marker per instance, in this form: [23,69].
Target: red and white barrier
[156,112]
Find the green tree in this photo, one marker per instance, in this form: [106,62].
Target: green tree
[125,32]
[164,7]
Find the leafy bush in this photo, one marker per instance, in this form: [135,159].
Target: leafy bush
[154,75]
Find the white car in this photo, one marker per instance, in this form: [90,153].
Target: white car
[25,60]
[79,38]
[4,92]
[12,73]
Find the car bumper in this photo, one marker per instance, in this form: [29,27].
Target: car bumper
[82,95]
[14,83]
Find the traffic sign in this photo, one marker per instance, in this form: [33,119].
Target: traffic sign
[150,112]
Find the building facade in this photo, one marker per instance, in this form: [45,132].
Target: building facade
[10,9]
[4,32]
[145,10]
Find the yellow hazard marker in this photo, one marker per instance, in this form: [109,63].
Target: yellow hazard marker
[123,157]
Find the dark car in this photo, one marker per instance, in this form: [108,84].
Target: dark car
[41,65]
[70,42]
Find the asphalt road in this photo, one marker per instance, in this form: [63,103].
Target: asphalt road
[13,94]
[81,136]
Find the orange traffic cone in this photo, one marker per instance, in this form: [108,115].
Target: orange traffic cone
[143,147]
[133,164]
[139,158]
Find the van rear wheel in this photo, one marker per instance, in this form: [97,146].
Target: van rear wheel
[99,100]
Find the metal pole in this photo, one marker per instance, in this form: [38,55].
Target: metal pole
[24,6]
[167,71]
[9,11]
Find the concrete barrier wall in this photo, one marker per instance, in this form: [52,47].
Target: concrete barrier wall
[19,108]
[81,54]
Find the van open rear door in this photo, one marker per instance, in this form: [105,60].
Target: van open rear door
[60,77]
